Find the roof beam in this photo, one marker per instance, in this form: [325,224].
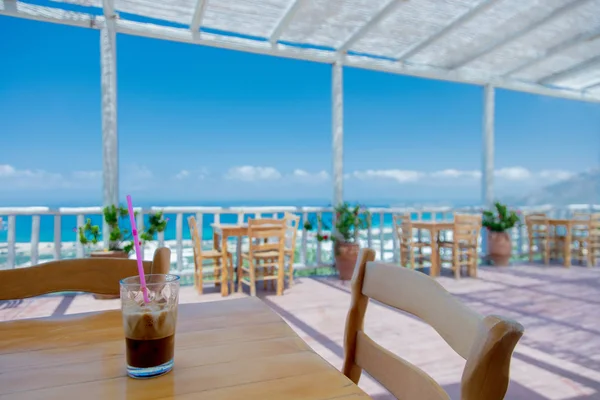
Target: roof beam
[373,21]
[50,14]
[521,32]
[570,72]
[455,23]
[566,45]
[149,30]
[283,23]
[592,86]
[198,15]
[108,7]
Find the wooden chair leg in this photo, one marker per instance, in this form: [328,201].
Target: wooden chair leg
[531,249]
[547,252]
[252,274]
[240,277]
[264,272]
[199,276]
[217,271]
[291,269]
[231,272]
[280,276]
[456,261]
[412,258]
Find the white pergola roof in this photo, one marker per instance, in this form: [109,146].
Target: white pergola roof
[549,47]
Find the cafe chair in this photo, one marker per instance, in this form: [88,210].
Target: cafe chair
[485,342]
[292,222]
[265,258]
[407,243]
[97,275]
[208,258]
[586,237]
[465,236]
[543,240]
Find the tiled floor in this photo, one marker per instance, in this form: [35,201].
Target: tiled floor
[557,358]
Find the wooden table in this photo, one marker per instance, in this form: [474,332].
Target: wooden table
[225,231]
[568,238]
[231,349]
[434,229]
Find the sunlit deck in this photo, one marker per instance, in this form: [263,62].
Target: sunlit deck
[558,358]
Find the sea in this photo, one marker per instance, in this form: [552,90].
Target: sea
[69,222]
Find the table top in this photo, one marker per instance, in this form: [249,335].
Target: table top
[231,349]
[433,224]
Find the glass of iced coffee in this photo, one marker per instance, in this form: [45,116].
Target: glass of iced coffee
[149,327]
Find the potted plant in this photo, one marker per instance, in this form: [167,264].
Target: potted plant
[498,222]
[348,221]
[120,243]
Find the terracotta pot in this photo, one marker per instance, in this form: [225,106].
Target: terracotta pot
[499,248]
[108,254]
[346,255]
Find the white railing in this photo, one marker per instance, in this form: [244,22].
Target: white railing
[311,253]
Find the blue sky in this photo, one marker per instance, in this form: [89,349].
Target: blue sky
[202,124]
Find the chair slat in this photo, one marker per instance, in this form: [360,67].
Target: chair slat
[92,275]
[401,378]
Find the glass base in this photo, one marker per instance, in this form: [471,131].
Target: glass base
[151,372]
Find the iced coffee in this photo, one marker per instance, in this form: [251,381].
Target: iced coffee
[150,327]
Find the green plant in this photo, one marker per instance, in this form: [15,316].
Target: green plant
[348,221]
[121,239]
[89,234]
[500,219]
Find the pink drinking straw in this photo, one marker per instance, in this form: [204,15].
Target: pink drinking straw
[138,251]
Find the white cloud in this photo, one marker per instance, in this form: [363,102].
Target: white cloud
[307,176]
[513,173]
[184,173]
[401,176]
[87,175]
[556,175]
[136,171]
[454,173]
[250,173]
[7,170]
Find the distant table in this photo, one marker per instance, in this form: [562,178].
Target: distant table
[234,349]
[225,231]
[568,238]
[434,229]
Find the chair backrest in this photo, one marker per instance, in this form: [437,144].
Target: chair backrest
[196,238]
[98,275]
[403,228]
[292,222]
[583,222]
[485,342]
[536,223]
[595,225]
[466,228]
[266,234]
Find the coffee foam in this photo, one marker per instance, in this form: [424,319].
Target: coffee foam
[151,323]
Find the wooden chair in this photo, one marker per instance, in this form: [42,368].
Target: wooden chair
[407,243]
[539,235]
[92,275]
[586,237]
[266,254]
[214,258]
[464,242]
[486,343]
[292,222]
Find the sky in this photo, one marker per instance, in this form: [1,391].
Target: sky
[202,125]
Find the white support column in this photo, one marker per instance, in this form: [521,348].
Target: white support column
[110,149]
[338,133]
[487,161]
[487,166]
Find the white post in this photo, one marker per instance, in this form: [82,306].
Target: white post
[58,238]
[35,239]
[487,162]
[110,154]
[11,241]
[338,133]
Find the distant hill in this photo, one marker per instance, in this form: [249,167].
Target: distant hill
[583,188]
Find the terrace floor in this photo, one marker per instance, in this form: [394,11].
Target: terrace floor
[557,358]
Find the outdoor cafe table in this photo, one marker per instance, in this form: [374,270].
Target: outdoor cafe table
[434,229]
[225,231]
[230,349]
